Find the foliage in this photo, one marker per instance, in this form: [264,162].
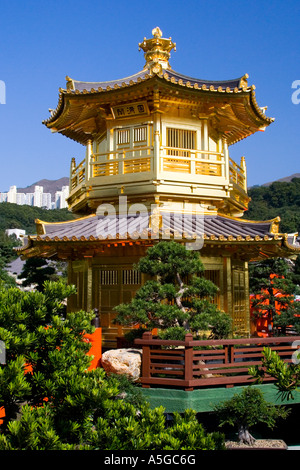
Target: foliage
[7,245]
[122,429]
[53,402]
[245,410]
[272,281]
[279,199]
[287,375]
[36,271]
[177,299]
[6,279]
[7,254]
[23,217]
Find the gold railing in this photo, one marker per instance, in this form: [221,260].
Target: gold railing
[198,162]
[125,161]
[109,168]
[176,160]
[237,174]
[77,173]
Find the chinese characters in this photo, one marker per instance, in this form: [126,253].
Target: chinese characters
[131,109]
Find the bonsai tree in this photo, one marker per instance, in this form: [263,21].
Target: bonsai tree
[243,411]
[271,281]
[177,298]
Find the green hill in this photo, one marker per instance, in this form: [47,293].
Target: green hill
[278,199]
[23,217]
[267,202]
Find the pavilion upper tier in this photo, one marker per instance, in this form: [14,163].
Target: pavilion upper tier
[158,134]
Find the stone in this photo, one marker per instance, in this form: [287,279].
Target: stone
[123,361]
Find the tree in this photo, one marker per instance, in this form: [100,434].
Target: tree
[53,401]
[177,299]
[7,254]
[287,375]
[36,271]
[272,284]
[245,410]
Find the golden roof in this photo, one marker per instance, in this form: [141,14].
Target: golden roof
[252,239]
[83,107]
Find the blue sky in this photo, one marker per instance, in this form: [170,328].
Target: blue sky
[93,40]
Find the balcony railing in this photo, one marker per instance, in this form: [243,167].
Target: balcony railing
[188,364]
[134,160]
[196,162]
[172,160]
[77,173]
[237,174]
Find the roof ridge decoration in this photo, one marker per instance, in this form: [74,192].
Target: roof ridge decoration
[157,51]
[157,70]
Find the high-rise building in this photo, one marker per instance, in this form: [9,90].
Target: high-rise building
[38,198]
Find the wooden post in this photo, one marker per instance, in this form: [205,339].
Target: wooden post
[188,362]
[88,159]
[72,170]
[146,359]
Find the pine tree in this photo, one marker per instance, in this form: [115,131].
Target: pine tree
[36,271]
[245,410]
[53,401]
[177,299]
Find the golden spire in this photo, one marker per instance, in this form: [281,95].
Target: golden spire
[157,51]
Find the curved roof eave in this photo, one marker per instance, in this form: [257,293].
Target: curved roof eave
[237,85]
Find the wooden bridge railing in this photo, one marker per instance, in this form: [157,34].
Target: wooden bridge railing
[188,364]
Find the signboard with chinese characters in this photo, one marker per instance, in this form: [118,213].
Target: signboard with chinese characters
[130,109]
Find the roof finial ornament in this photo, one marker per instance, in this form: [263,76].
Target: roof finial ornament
[157,51]
[157,32]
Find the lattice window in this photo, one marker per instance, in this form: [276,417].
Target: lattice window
[180,139]
[239,299]
[140,134]
[108,277]
[123,136]
[131,276]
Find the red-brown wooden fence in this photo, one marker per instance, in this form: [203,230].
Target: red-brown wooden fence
[196,363]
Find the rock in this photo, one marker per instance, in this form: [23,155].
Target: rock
[123,361]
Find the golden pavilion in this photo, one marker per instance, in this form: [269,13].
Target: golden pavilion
[157,166]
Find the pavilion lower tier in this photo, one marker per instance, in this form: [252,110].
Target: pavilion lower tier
[106,281]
